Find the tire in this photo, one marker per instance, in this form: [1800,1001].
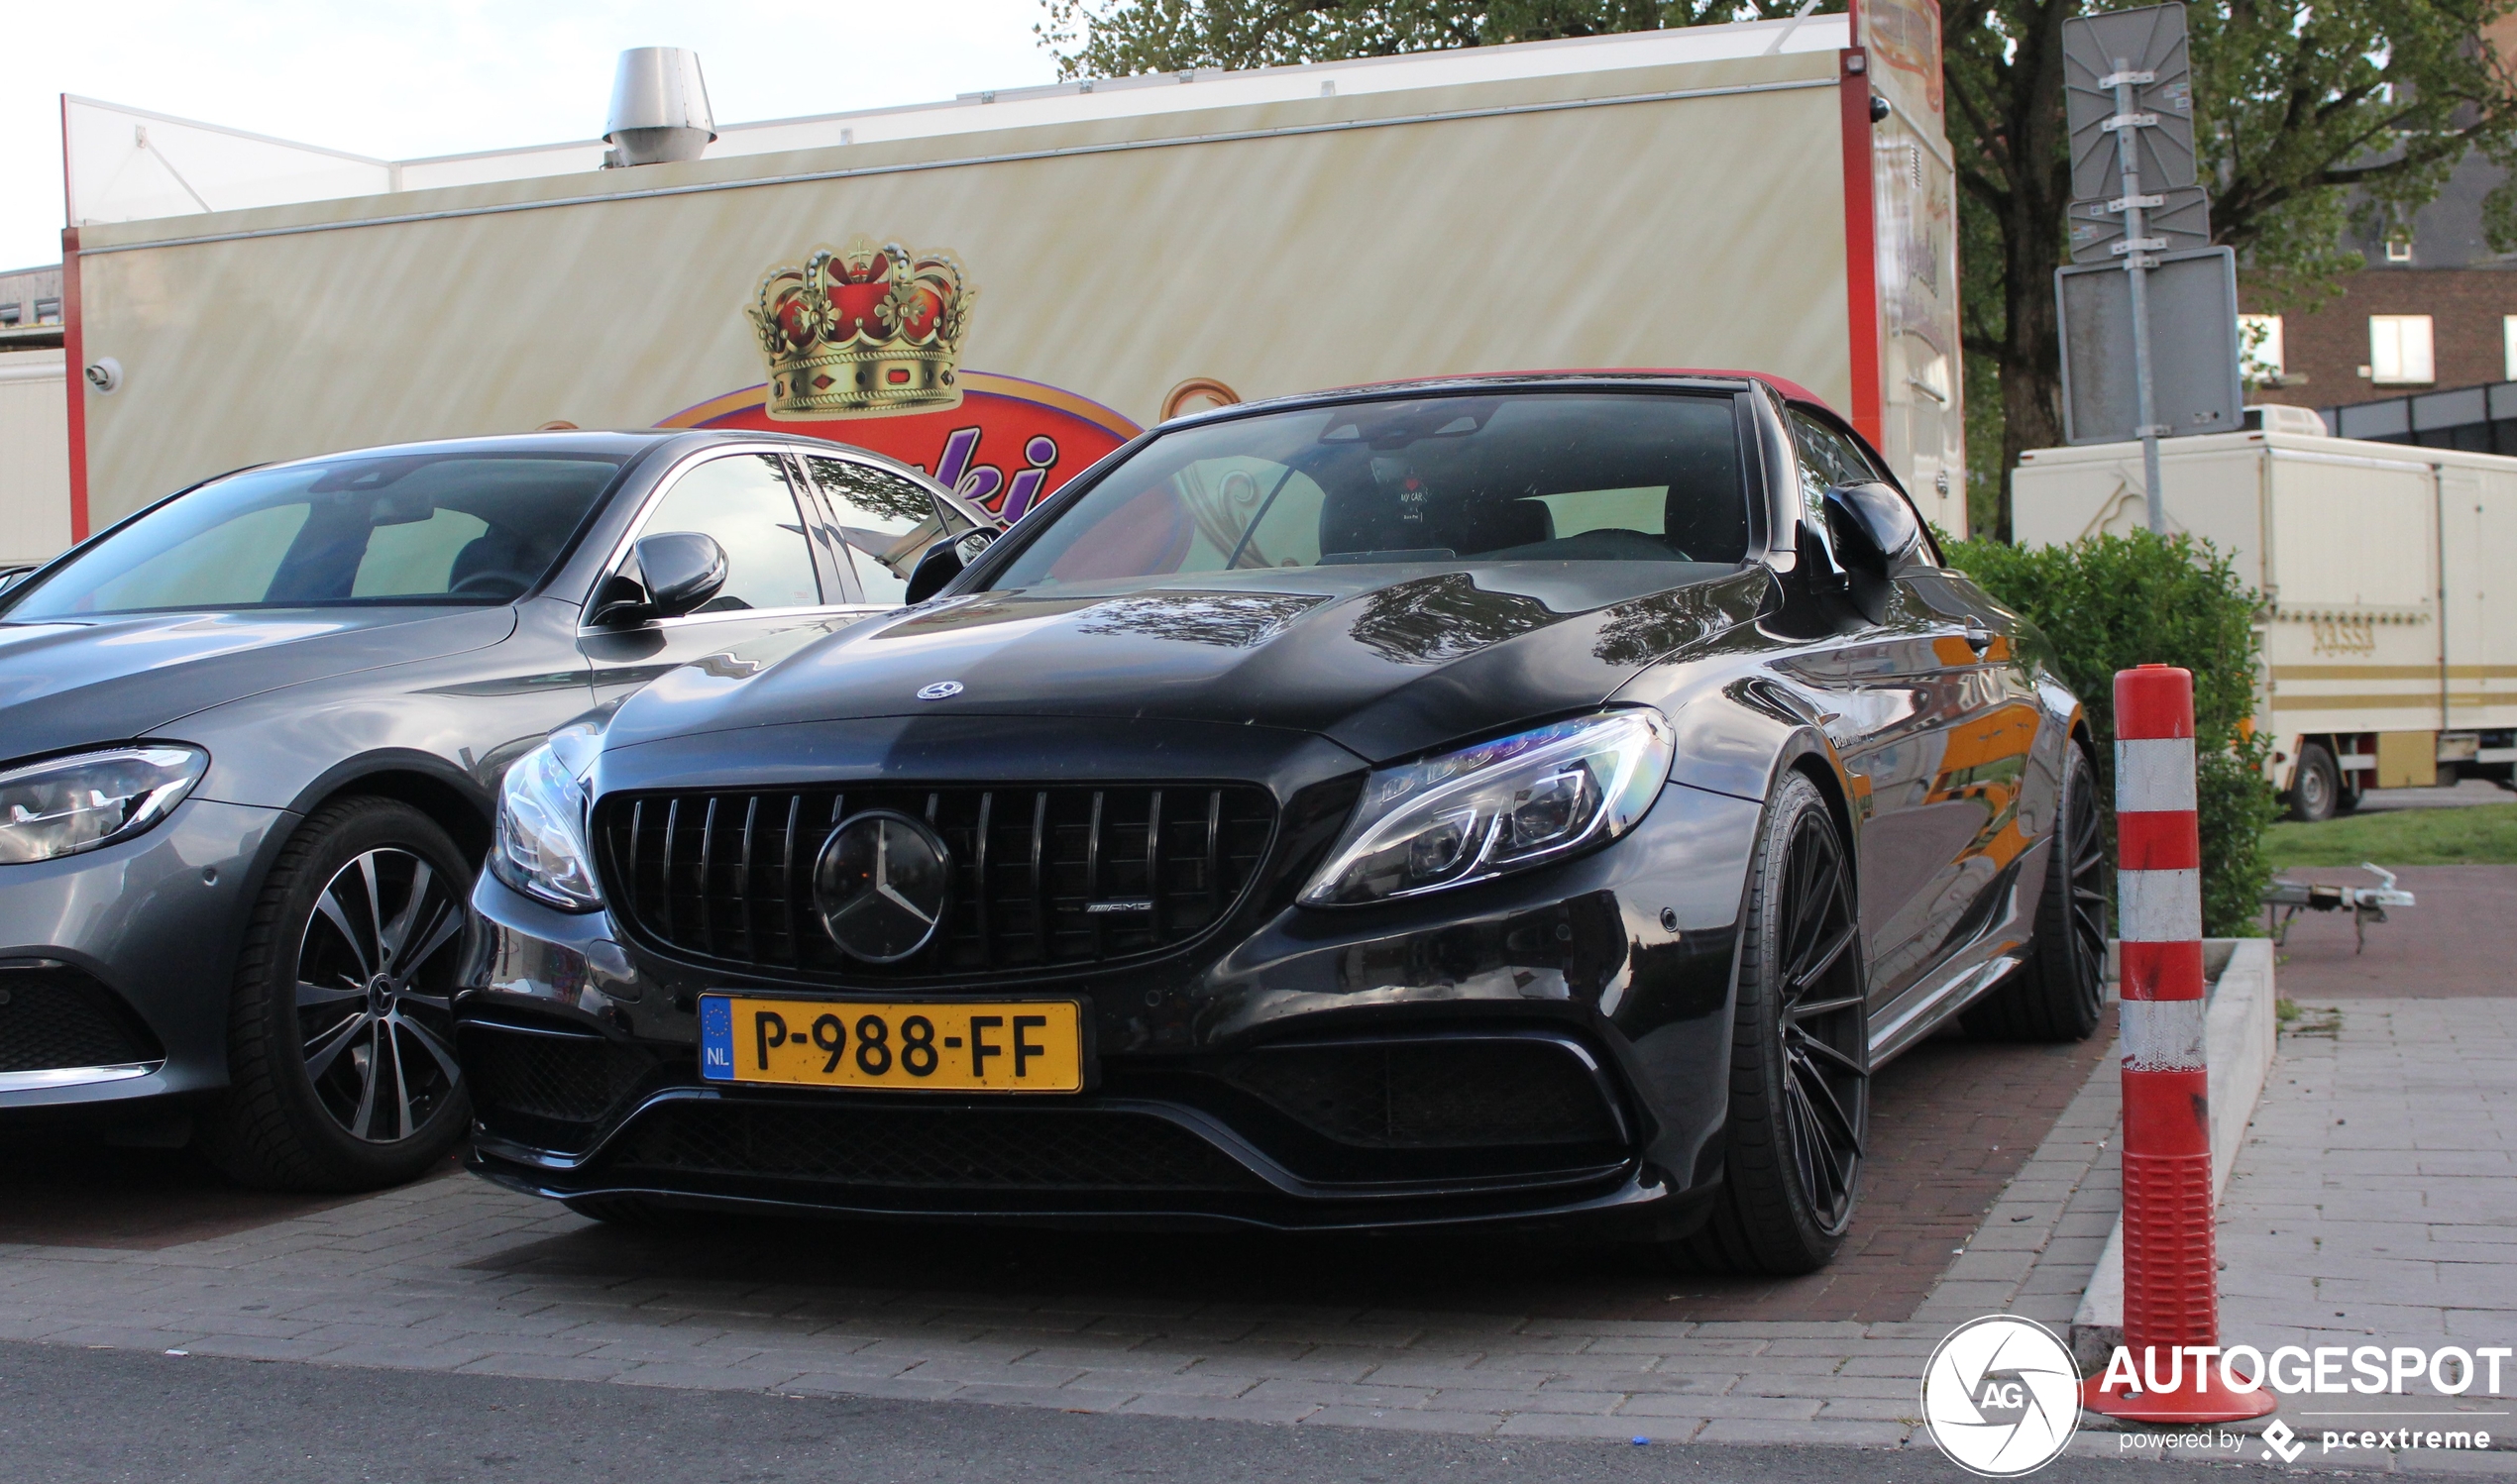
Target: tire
[341,1066]
[2316,788]
[2060,992]
[1800,1057]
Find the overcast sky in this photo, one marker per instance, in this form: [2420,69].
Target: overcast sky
[424,78]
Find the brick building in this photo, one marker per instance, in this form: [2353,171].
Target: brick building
[2433,308]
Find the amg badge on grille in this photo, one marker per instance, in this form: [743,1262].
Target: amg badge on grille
[882,884]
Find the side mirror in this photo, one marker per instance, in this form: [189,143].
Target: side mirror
[683,570]
[943,562]
[1874,530]
[676,572]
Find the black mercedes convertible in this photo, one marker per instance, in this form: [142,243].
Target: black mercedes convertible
[1482,801]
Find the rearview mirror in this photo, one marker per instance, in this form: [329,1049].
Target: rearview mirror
[675,573]
[943,562]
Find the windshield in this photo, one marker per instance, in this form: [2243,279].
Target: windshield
[421,528]
[1538,477]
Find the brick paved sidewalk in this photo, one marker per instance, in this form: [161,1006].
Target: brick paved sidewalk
[453,1274]
[2376,1199]
[1485,1334]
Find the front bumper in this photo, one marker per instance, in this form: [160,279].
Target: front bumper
[1609,974]
[116,965]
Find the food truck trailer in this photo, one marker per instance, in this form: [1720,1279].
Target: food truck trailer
[1003,287]
[2389,623]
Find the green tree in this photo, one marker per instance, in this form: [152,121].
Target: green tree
[1123,38]
[2305,114]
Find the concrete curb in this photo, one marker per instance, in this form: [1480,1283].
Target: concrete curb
[2238,1033]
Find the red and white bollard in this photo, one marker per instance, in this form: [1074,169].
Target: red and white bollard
[2171,1288]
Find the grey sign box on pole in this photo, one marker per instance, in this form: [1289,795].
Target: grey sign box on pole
[2183,222]
[2193,299]
[2150,40]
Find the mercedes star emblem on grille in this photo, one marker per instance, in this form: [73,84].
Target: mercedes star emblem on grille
[940,690]
[882,883]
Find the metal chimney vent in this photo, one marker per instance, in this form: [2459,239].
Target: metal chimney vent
[659,108]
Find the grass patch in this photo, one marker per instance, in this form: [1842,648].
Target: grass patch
[2482,835]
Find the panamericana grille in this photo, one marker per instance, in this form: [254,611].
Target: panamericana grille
[1044,877]
[936,1148]
[53,1016]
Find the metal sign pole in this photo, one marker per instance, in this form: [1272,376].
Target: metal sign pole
[2136,250]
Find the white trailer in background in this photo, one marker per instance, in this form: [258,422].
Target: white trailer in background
[1091,257]
[34,467]
[2389,582]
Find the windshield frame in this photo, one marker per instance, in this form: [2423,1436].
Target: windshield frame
[627,464]
[981,575]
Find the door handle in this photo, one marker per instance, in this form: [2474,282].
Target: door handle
[1979,639]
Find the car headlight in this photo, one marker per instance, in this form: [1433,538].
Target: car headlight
[541,846]
[1497,807]
[90,800]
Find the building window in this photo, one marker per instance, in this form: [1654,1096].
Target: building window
[2508,341]
[2260,349]
[2399,249]
[48,311]
[9,314]
[2399,350]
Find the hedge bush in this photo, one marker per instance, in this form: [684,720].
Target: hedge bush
[2110,602]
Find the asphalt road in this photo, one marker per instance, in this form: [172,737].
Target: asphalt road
[101,1417]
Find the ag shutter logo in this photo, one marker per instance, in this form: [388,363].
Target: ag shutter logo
[2002,1395]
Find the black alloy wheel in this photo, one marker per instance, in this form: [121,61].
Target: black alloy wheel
[2316,788]
[1799,1076]
[341,1039]
[2059,993]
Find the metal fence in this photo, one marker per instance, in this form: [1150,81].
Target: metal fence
[2476,419]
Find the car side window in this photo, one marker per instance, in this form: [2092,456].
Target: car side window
[886,523]
[743,502]
[1827,457]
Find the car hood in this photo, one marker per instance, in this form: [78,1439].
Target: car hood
[71,683]
[1386,660]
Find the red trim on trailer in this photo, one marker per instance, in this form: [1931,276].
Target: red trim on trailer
[74,384]
[73,346]
[1861,258]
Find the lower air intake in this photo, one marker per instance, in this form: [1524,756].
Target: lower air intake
[53,1016]
[1435,1093]
[548,1090]
[933,1148]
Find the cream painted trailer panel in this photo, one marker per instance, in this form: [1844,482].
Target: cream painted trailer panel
[2385,571]
[35,474]
[1085,275]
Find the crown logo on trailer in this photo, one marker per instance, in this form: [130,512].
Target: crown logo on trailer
[863,330]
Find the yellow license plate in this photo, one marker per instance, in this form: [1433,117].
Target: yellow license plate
[999,1046]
